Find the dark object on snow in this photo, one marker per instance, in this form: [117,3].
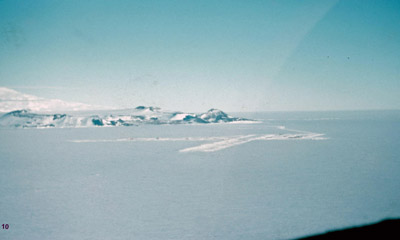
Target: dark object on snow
[387,229]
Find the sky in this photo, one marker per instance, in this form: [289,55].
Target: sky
[237,56]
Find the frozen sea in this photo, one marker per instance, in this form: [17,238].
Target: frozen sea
[138,183]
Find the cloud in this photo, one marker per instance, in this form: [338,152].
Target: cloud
[11,100]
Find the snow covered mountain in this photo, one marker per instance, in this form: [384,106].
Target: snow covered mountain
[11,100]
[139,115]
[28,111]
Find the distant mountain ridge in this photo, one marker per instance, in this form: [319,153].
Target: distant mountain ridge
[139,115]
[11,100]
[28,111]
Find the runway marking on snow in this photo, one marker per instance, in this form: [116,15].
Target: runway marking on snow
[154,139]
[220,142]
[216,146]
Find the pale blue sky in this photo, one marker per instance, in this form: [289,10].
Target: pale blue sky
[194,55]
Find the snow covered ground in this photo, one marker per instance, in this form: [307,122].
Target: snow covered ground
[289,175]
